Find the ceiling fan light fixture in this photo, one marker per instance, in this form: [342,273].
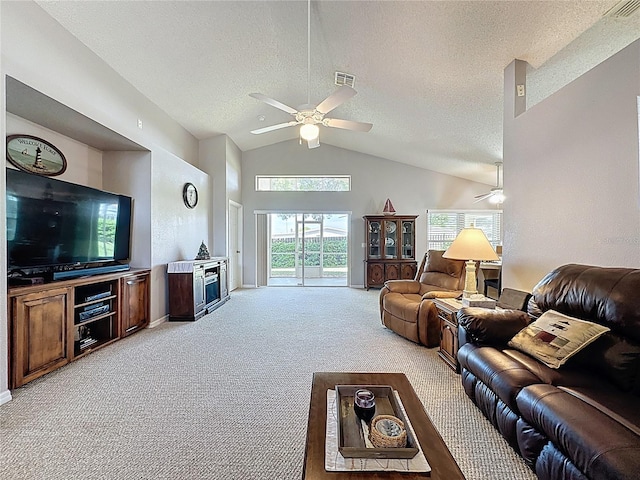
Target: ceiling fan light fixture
[497,197]
[309,131]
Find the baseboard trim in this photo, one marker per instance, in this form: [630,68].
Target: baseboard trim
[158,322]
[356,286]
[5,397]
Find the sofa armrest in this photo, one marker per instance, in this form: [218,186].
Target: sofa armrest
[484,326]
[441,294]
[403,286]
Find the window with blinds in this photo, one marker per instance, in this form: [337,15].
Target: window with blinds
[444,225]
[310,183]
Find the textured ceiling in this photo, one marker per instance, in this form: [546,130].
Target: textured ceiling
[429,74]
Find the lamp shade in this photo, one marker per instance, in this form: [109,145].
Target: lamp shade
[471,244]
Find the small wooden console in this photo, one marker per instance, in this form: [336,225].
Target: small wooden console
[53,324]
[197,287]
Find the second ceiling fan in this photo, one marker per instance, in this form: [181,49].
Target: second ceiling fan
[308,115]
[496,194]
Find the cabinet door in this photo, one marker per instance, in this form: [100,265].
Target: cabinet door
[449,344]
[391,239]
[199,298]
[39,333]
[409,271]
[375,274]
[374,238]
[408,239]
[391,271]
[134,310]
[224,289]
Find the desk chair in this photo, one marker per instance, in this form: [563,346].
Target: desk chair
[493,283]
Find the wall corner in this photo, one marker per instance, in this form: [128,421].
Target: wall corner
[515,89]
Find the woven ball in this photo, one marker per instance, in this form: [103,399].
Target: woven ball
[387,431]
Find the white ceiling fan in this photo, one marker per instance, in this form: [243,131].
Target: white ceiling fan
[496,195]
[308,115]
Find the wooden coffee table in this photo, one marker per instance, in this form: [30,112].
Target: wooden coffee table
[443,466]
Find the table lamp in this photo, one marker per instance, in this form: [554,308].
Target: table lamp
[471,245]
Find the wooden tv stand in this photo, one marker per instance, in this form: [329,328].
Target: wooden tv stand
[56,323]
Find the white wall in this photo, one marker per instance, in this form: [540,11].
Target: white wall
[412,191]
[128,173]
[54,62]
[177,231]
[234,172]
[213,160]
[572,175]
[221,158]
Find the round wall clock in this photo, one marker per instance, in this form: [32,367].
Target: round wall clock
[190,195]
[35,155]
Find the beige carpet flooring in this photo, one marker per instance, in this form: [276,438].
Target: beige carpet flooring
[227,397]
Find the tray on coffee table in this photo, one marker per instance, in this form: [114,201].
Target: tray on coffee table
[351,443]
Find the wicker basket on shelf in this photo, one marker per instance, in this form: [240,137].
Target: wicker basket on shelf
[387,431]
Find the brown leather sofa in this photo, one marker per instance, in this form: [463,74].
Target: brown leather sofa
[581,421]
[406,306]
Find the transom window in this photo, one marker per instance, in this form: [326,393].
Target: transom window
[443,226]
[310,183]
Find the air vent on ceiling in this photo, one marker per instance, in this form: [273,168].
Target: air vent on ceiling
[347,78]
[624,9]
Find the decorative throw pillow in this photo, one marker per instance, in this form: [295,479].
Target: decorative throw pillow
[554,338]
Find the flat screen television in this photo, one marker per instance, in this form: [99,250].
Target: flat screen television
[55,223]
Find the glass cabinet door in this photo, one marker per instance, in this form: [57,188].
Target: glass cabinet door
[391,236]
[375,235]
[408,239]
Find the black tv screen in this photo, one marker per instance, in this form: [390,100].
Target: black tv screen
[51,222]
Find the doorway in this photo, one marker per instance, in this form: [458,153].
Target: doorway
[234,245]
[308,249]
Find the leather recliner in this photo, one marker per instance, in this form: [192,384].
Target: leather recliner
[580,421]
[406,306]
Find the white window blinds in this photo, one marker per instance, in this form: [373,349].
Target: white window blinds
[444,225]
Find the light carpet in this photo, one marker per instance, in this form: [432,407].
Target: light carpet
[227,397]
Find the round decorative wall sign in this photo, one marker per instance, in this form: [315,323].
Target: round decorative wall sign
[35,155]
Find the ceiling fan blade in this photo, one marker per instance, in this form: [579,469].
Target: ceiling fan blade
[274,127]
[483,195]
[274,103]
[348,124]
[479,198]
[314,143]
[336,99]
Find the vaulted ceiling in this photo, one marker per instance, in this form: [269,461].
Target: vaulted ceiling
[429,74]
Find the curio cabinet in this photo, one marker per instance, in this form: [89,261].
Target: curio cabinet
[390,248]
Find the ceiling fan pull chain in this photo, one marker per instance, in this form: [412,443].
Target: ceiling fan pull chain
[308,51]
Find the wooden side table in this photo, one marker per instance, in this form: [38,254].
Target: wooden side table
[447,310]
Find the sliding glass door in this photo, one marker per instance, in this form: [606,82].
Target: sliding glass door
[308,249]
